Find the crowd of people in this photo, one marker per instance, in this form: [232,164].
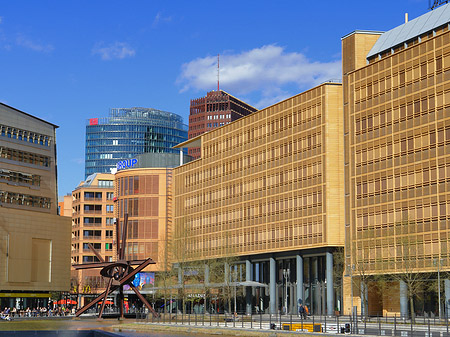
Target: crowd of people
[10,313]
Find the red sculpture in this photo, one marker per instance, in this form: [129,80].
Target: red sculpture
[120,273]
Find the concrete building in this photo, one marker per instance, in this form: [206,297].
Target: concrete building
[216,109]
[397,162]
[92,222]
[268,188]
[34,240]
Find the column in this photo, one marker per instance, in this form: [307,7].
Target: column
[447,297]
[248,290]
[257,292]
[330,286]
[181,157]
[272,286]
[316,291]
[300,298]
[403,299]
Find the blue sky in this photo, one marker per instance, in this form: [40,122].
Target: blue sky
[67,61]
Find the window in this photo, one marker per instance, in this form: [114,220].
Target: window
[109,208]
[109,195]
[106,183]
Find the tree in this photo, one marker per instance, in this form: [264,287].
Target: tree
[406,263]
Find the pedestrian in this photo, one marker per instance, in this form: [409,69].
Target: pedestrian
[301,311]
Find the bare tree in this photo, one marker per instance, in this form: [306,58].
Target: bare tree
[406,264]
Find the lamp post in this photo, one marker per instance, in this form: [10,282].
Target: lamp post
[438,262]
[286,277]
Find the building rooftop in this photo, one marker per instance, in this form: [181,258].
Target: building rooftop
[411,29]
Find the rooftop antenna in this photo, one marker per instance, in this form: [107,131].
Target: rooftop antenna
[218,72]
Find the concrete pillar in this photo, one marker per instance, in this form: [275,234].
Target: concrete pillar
[181,157]
[300,297]
[272,286]
[330,286]
[316,291]
[257,272]
[403,299]
[447,297]
[248,290]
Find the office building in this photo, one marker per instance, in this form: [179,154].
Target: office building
[34,240]
[216,109]
[268,188]
[92,223]
[128,132]
[397,161]
[145,195]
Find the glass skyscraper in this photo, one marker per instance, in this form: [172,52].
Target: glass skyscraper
[128,132]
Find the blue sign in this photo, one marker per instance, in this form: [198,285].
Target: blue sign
[124,164]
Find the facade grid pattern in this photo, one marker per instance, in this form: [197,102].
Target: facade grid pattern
[262,181]
[398,118]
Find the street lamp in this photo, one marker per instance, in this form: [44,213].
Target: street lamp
[438,262]
[286,277]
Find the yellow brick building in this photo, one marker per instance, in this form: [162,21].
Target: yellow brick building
[269,189]
[397,156]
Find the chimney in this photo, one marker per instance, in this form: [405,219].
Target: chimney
[406,17]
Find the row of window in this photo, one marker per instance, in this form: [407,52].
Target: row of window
[148,184]
[20,178]
[211,117]
[215,125]
[97,234]
[254,133]
[24,199]
[310,174]
[303,170]
[24,135]
[24,157]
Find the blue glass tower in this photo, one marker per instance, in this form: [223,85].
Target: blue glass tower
[128,132]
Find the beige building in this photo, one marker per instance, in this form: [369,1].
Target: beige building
[34,240]
[92,223]
[269,189]
[397,160]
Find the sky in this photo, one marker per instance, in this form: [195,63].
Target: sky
[68,61]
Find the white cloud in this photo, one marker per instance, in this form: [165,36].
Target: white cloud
[29,44]
[160,18]
[117,50]
[267,71]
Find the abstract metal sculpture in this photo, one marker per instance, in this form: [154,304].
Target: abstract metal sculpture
[119,273]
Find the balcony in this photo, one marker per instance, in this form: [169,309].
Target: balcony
[89,211]
[91,237]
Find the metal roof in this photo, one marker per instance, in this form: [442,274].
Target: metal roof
[409,30]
